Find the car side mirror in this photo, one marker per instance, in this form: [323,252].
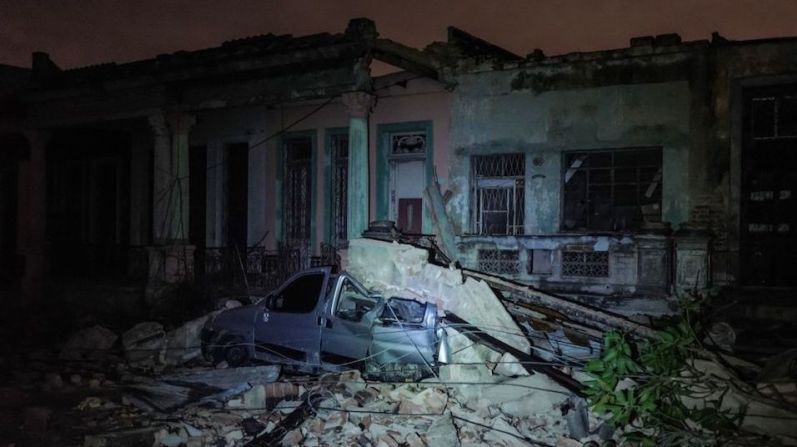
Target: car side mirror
[270,301]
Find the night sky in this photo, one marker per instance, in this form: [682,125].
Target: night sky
[84,32]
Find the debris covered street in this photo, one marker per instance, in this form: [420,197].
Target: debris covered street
[503,384]
[398,224]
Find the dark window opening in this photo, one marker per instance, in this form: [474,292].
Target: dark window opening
[297,189]
[300,296]
[497,193]
[340,177]
[612,190]
[237,190]
[773,117]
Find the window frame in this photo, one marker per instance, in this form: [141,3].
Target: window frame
[280,293]
[659,175]
[515,185]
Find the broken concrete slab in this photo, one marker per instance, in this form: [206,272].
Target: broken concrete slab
[144,341]
[225,378]
[429,401]
[509,365]
[524,396]
[184,344]
[442,432]
[405,270]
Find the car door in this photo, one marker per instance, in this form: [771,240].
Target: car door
[288,329]
[346,335]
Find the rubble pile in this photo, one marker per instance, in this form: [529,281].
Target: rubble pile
[513,376]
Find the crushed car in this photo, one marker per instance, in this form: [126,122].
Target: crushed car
[319,320]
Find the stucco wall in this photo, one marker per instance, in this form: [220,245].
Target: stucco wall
[418,100]
[489,117]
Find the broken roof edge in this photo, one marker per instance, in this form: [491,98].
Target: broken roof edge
[468,45]
[639,46]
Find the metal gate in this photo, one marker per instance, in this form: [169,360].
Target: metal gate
[297,196]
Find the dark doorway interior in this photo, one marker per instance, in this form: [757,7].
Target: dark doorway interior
[237,196]
[768,219]
[12,148]
[197,202]
[89,202]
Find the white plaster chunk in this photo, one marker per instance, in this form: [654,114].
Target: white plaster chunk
[442,432]
[508,365]
[404,270]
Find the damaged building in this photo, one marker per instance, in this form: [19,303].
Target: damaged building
[633,171]
[481,211]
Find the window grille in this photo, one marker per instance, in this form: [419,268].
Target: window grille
[408,143]
[591,264]
[297,188]
[499,261]
[773,117]
[612,190]
[497,193]
[340,176]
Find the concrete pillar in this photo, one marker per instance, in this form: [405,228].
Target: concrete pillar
[170,257]
[692,258]
[171,181]
[34,245]
[180,124]
[257,226]
[359,105]
[161,177]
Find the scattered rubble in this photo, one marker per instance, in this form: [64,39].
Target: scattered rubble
[505,384]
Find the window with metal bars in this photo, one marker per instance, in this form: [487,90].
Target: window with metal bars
[590,264]
[499,261]
[497,193]
[297,188]
[773,117]
[612,190]
[340,176]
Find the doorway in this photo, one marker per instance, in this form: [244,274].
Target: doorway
[408,166]
[237,199]
[768,208]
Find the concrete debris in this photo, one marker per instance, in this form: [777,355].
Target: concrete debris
[721,335]
[183,344]
[88,343]
[404,270]
[144,342]
[509,365]
[505,384]
[442,432]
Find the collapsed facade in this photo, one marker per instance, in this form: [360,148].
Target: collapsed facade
[631,171]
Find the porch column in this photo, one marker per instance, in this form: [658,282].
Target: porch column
[171,182]
[170,256]
[359,105]
[35,214]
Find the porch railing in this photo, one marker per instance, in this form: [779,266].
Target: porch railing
[256,268]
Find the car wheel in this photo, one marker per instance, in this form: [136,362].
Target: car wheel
[236,354]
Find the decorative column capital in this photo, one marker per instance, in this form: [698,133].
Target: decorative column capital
[158,124]
[180,123]
[177,123]
[359,104]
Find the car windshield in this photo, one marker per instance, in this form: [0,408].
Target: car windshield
[354,301]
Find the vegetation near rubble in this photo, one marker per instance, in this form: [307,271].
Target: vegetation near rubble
[642,388]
